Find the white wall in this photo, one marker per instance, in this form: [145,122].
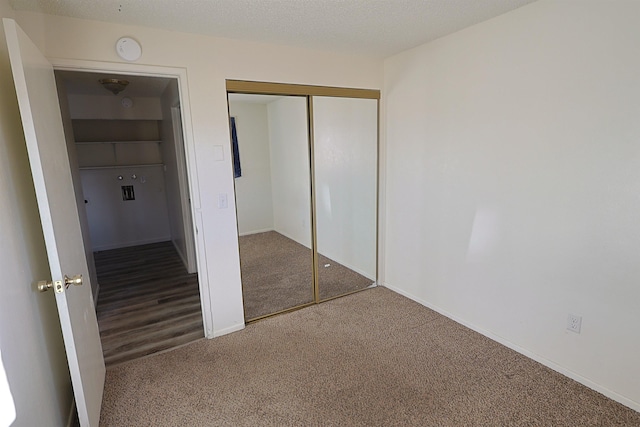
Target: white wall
[345,157]
[30,337]
[99,107]
[253,188]
[208,62]
[290,168]
[513,180]
[116,223]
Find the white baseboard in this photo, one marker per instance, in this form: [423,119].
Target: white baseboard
[225,331]
[181,255]
[546,362]
[248,233]
[306,245]
[349,266]
[129,244]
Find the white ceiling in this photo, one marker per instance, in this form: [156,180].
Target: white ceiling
[369,27]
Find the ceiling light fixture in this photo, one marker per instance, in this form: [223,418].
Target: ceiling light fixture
[114,86]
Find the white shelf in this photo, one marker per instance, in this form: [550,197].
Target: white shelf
[149,165]
[116,142]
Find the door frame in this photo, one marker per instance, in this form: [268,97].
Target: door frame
[178,136]
[180,74]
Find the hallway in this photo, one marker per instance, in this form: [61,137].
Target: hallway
[147,302]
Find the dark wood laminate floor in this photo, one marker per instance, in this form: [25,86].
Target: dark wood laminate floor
[147,302]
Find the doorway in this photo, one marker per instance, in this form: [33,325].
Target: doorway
[305,169]
[127,158]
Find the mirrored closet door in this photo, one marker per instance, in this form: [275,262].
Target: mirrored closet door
[345,157]
[270,141]
[305,167]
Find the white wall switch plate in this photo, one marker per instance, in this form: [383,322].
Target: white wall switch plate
[223,202]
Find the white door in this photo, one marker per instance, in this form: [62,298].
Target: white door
[46,147]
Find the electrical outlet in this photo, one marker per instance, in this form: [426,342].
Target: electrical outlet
[574,323]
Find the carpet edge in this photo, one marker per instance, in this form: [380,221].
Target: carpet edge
[521,350]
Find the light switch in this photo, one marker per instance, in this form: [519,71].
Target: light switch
[222,201]
[218,153]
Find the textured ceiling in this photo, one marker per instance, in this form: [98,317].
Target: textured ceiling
[368,27]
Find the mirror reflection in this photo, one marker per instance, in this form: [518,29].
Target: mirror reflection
[273,201]
[345,134]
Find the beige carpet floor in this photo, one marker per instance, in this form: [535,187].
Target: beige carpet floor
[277,274]
[373,358]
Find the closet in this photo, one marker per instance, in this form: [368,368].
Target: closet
[306,182]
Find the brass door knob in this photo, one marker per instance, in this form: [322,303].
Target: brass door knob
[75,280]
[59,285]
[44,285]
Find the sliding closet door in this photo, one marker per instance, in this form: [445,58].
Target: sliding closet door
[345,159]
[273,201]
